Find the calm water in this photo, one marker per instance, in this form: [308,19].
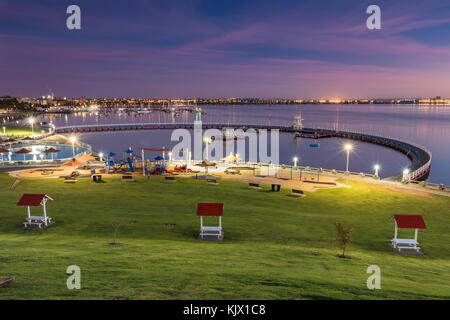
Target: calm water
[428,126]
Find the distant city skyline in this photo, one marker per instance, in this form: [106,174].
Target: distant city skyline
[212,49]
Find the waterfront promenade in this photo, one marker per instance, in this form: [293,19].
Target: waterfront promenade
[420,157]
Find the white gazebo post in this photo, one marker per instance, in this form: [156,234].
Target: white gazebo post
[396,230]
[416,231]
[45,211]
[29,213]
[201,226]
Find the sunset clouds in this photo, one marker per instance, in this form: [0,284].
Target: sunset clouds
[233,48]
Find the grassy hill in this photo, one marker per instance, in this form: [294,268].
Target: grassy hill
[275,247]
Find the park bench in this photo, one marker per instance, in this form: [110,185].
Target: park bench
[212,182]
[69,180]
[410,243]
[297,193]
[36,221]
[170,179]
[400,248]
[127,178]
[253,185]
[276,187]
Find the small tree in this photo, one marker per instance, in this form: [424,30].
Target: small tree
[343,237]
[116,225]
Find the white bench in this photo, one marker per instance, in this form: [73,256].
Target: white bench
[210,231]
[29,224]
[406,243]
[408,247]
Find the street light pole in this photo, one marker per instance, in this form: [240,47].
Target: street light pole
[73,139]
[348,147]
[32,126]
[376,167]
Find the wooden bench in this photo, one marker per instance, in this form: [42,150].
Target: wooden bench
[297,193]
[212,182]
[127,178]
[276,187]
[253,185]
[170,179]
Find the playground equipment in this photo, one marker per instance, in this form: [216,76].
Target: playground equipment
[129,153]
[161,160]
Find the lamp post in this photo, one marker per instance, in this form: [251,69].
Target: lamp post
[376,167]
[73,140]
[348,147]
[170,157]
[100,155]
[31,121]
[405,178]
[295,162]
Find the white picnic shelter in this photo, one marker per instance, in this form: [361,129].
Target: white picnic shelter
[407,221]
[210,210]
[35,200]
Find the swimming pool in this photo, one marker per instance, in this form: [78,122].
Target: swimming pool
[37,153]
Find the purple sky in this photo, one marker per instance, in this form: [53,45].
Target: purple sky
[190,48]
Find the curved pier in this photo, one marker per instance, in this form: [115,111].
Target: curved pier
[420,157]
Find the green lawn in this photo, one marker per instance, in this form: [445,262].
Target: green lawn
[19,131]
[275,247]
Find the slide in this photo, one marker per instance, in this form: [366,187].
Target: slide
[130,164]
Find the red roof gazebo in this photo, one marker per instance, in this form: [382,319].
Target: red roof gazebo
[210,210]
[407,221]
[35,200]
